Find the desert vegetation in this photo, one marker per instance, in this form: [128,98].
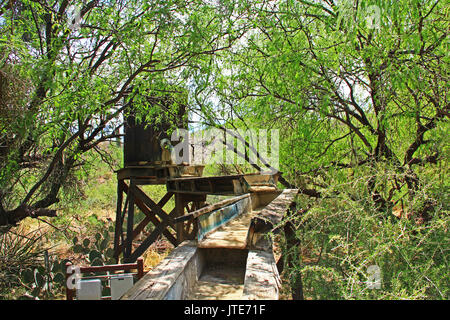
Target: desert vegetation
[358,90]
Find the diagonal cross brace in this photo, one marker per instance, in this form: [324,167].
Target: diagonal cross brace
[150,216]
[152,237]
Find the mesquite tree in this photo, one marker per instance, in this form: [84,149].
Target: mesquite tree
[68,69]
[359,92]
[354,85]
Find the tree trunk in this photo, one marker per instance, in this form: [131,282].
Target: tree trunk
[11,218]
[292,258]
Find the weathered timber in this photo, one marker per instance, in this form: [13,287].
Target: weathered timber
[219,185]
[155,285]
[142,140]
[207,209]
[269,218]
[262,280]
[203,270]
[159,229]
[137,197]
[223,185]
[150,214]
[274,212]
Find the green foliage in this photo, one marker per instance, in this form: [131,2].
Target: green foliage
[342,236]
[19,251]
[25,264]
[360,99]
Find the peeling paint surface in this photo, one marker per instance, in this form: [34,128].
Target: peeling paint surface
[214,219]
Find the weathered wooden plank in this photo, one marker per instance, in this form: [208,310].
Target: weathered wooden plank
[262,179]
[274,212]
[269,217]
[207,209]
[130,224]
[159,229]
[150,215]
[155,207]
[224,185]
[151,175]
[157,282]
[118,222]
[155,221]
[262,281]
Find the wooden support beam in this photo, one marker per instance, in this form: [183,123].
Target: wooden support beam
[204,210]
[222,185]
[130,224]
[118,222]
[150,216]
[269,218]
[179,212]
[274,212]
[145,201]
[155,207]
[155,221]
[151,238]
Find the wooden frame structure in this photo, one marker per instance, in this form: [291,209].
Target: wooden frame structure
[189,193]
[131,196]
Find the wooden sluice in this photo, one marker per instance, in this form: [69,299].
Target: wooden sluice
[231,256]
[220,249]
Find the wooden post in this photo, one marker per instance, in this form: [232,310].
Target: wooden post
[140,267]
[130,223]
[179,207]
[119,222]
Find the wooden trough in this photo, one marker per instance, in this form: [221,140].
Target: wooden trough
[231,257]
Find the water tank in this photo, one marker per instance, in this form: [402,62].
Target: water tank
[142,141]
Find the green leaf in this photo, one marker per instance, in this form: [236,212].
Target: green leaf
[39,279]
[94,254]
[56,267]
[36,291]
[109,252]
[86,242]
[104,244]
[97,262]
[27,276]
[63,265]
[77,248]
